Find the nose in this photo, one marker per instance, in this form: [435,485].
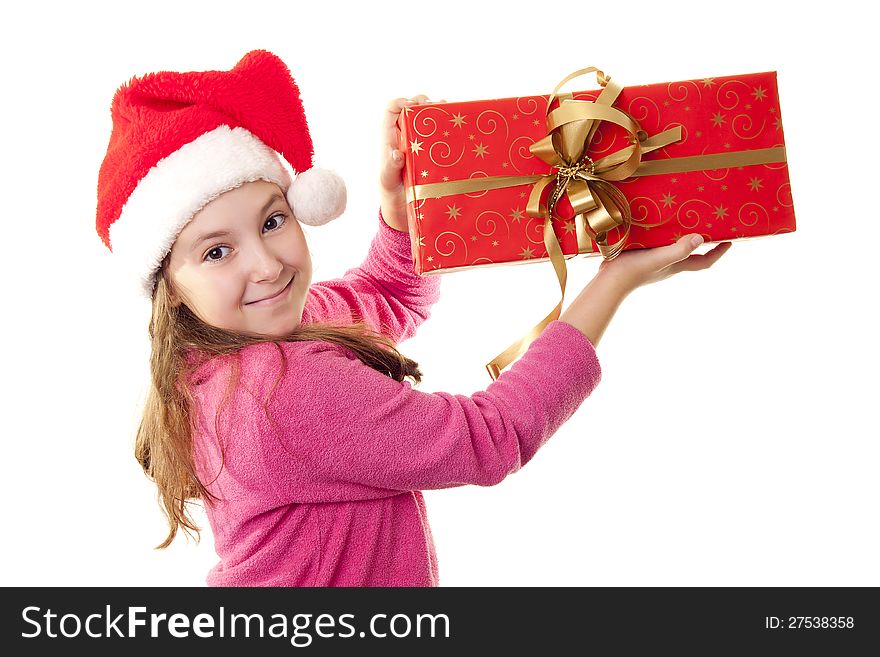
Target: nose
[265,265]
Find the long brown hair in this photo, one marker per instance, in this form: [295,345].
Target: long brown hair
[164,445]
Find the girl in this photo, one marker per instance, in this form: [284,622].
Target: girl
[283,405]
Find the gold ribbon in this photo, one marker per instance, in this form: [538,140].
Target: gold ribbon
[599,206]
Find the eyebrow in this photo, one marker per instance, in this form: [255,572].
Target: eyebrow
[225,233]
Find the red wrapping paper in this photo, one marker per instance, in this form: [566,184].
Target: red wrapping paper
[462,140]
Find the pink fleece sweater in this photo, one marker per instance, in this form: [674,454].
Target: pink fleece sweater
[326,491]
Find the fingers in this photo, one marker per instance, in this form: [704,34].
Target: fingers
[698,261]
[390,131]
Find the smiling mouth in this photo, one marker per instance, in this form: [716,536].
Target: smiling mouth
[274,297]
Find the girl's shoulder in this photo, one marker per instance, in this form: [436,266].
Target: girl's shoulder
[259,365]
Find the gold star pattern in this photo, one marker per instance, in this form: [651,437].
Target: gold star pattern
[472,137]
[756,184]
[748,106]
[723,188]
[699,133]
[458,120]
[522,194]
[526,254]
[675,180]
[515,117]
[504,164]
[425,173]
[708,82]
[777,123]
[453,211]
[569,227]
[665,103]
[480,150]
[421,241]
[772,110]
[720,212]
[536,122]
[701,188]
[687,108]
[430,258]
[446,133]
[415,147]
[445,178]
[775,208]
[516,214]
[718,119]
[668,200]
[727,145]
[494,242]
[473,238]
[760,93]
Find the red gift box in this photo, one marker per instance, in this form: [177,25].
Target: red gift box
[635,167]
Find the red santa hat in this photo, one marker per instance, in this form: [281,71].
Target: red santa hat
[179,140]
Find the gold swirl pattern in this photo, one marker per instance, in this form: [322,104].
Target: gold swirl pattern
[691,214]
[641,202]
[532,101]
[491,222]
[755,210]
[684,86]
[420,116]
[601,144]
[492,122]
[435,158]
[519,149]
[784,192]
[730,93]
[642,117]
[451,243]
[748,121]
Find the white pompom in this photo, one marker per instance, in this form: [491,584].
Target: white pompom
[317,196]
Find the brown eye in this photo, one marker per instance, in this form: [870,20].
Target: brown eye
[274,222]
[217,250]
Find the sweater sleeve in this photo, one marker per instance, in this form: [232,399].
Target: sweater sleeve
[384,291]
[338,430]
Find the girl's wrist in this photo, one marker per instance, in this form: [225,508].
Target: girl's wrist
[392,214]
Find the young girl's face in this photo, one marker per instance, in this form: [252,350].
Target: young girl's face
[242,262]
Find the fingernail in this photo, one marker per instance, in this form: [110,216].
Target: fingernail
[396,155]
[696,241]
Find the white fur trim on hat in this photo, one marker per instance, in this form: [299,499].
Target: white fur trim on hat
[180,185]
[317,196]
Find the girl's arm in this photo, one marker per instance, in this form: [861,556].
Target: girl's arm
[384,291]
[340,430]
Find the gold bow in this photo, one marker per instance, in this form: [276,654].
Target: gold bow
[598,205]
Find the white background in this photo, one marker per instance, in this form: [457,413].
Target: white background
[733,438]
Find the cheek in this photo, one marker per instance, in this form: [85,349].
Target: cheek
[213,297]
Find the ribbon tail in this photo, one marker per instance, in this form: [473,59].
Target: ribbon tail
[518,348]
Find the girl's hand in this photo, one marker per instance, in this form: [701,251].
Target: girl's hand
[637,267]
[391,163]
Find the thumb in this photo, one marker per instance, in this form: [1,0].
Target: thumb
[689,242]
[682,248]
